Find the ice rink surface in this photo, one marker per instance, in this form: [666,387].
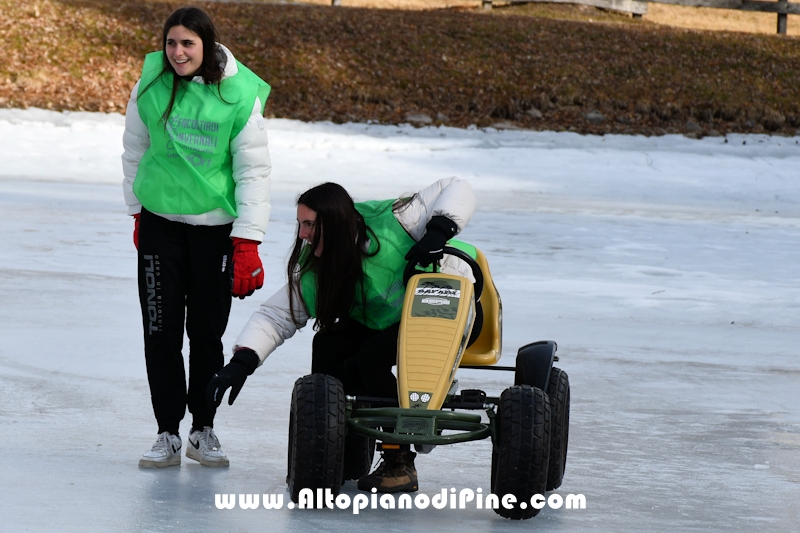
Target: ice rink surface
[664,268]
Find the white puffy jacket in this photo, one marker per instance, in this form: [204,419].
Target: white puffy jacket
[251,168]
[272,323]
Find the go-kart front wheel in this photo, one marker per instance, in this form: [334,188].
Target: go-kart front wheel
[316,435]
[521,454]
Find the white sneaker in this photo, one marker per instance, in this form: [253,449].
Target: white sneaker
[165,452]
[205,449]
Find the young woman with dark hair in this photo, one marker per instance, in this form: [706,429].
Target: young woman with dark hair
[346,272]
[202,58]
[196,166]
[339,272]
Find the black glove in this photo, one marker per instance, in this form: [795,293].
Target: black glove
[430,247]
[243,363]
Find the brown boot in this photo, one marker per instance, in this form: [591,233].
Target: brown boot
[396,473]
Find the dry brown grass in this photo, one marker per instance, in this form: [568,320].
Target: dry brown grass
[459,66]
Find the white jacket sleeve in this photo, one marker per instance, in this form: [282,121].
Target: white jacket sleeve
[450,197]
[251,170]
[272,324]
[135,142]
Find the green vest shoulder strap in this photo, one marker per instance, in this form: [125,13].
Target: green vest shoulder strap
[263,87]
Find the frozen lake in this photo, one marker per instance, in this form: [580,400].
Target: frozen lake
[665,268]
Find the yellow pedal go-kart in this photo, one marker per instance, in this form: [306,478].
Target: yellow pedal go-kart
[332,436]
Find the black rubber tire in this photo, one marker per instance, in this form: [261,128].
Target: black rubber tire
[316,435]
[520,459]
[558,394]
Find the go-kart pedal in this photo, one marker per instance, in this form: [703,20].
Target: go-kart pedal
[476,396]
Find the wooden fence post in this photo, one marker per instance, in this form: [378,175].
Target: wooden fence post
[782,19]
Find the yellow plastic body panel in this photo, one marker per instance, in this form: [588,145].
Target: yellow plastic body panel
[488,347]
[438,312]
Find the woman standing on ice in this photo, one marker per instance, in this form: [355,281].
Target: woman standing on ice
[196,167]
[346,271]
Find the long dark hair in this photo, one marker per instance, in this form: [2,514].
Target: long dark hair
[339,269]
[198,22]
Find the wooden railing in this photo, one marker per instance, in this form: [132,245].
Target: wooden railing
[638,7]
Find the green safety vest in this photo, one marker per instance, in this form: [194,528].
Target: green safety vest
[188,168]
[383,272]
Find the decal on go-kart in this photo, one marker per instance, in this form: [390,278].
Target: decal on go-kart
[437,298]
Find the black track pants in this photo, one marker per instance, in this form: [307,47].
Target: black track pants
[360,357]
[184,278]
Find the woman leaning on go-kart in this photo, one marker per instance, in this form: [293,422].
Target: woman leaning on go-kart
[346,272]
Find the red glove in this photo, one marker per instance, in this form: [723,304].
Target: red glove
[248,275]
[136,218]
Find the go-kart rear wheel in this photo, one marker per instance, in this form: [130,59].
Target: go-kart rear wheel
[316,435]
[521,454]
[558,394]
